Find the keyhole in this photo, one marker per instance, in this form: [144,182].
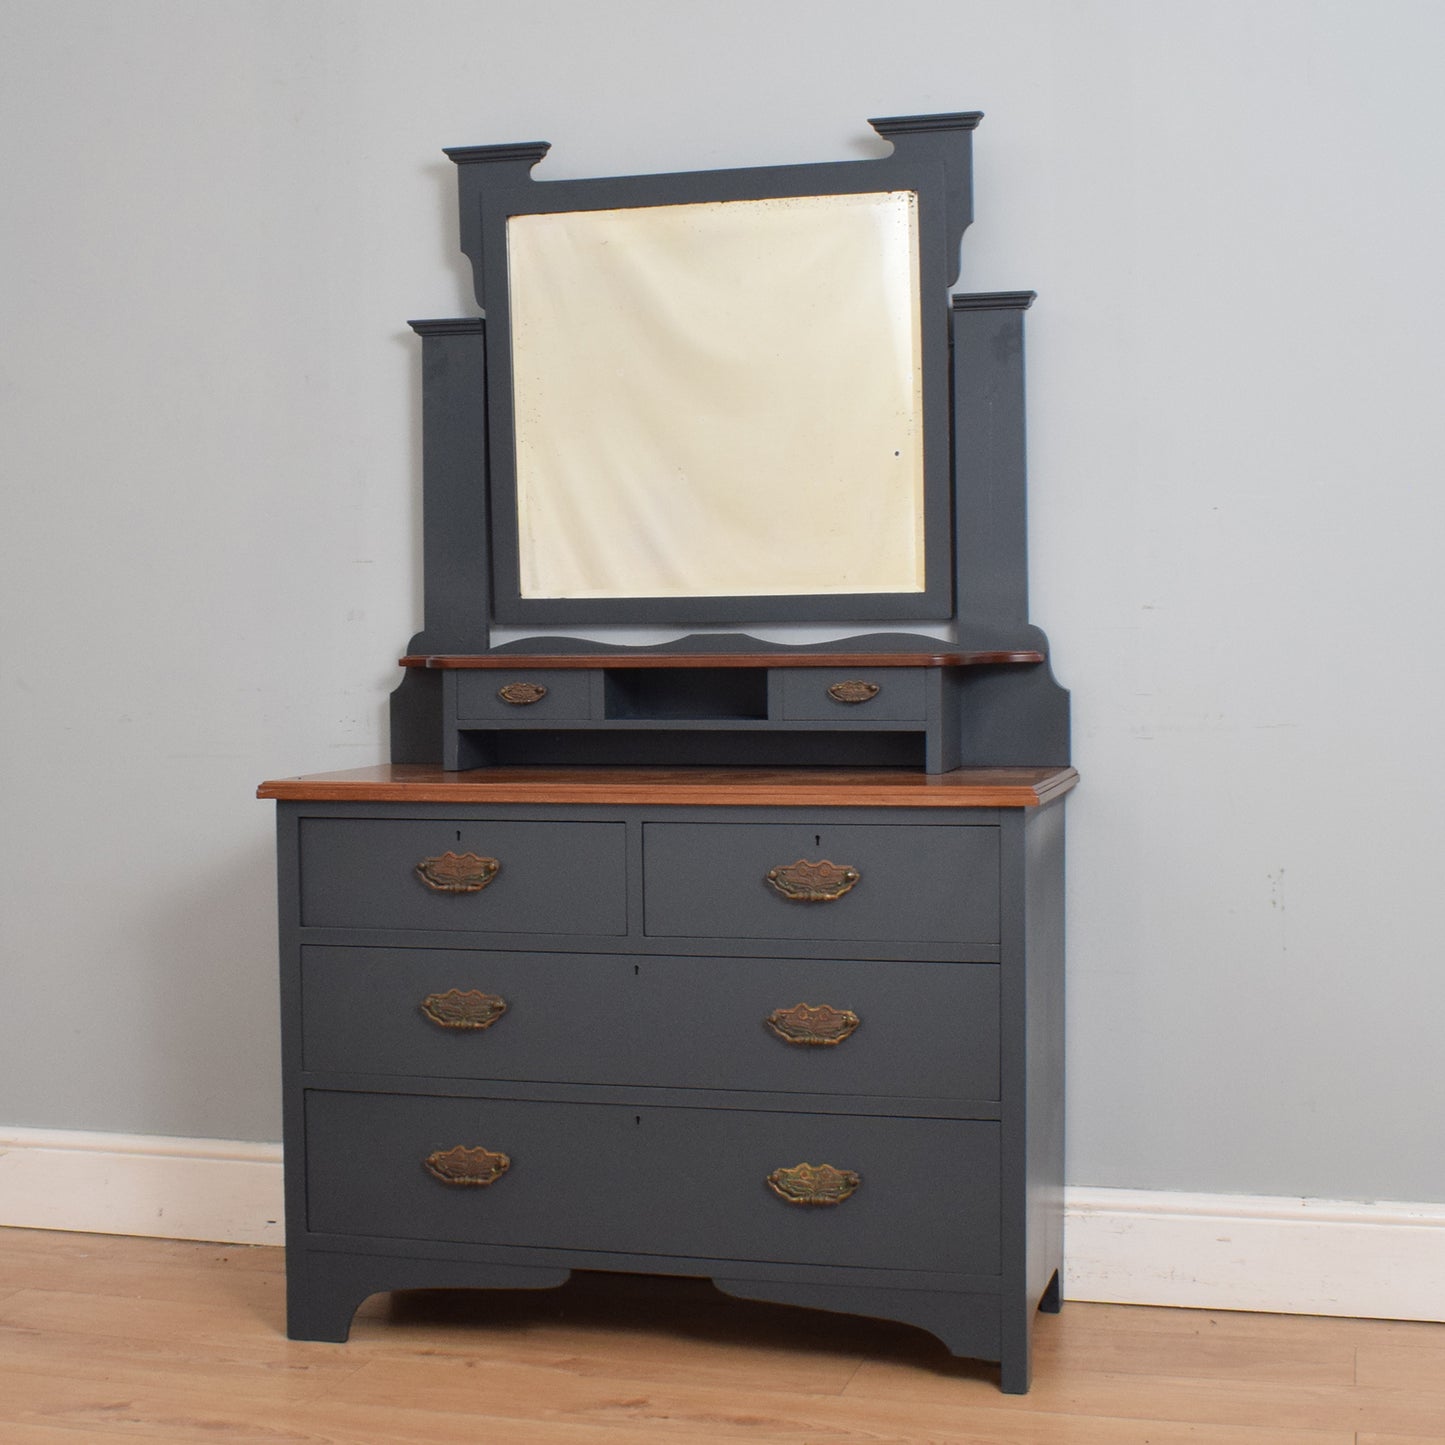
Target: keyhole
[817,839]
[459,835]
[636,969]
[637,1118]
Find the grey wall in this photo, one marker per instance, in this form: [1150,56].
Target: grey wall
[222,213]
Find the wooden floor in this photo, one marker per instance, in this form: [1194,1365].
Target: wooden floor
[137,1339]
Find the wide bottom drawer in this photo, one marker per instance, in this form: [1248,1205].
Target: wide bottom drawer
[653,1180]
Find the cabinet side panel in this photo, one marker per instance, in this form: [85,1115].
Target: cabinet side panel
[417,724]
[293,1121]
[1032,1064]
[1044,950]
[1014,717]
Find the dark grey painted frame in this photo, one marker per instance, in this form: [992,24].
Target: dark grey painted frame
[1008,714]
[931,156]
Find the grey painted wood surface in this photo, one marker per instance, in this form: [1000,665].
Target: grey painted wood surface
[915,882]
[638,1179]
[638,1095]
[926,1030]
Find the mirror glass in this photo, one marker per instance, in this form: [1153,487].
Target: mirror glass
[718,399]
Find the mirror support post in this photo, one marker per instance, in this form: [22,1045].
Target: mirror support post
[457,586]
[990,470]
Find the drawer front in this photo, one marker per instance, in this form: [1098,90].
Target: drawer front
[898,696]
[915,882]
[552,878]
[648,1180]
[925,1030]
[512,696]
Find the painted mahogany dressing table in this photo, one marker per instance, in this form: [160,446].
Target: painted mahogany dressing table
[715,956]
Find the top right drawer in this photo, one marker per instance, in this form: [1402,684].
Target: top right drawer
[825,881]
[883,694]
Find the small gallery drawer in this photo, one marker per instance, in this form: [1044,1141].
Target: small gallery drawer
[906,882]
[548,877]
[881,694]
[921,1030]
[645,1179]
[527,693]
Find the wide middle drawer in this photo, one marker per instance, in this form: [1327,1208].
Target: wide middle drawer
[927,1030]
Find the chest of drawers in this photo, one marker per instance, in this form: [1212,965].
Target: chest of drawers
[633,1023]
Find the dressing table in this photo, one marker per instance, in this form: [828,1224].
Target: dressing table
[714,955]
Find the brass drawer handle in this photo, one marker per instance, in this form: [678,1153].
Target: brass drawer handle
[470,1168]
[457,872]
[805,1024]
[457,1010]
[854,691]
[521,694]
[806,882]
[813,1184]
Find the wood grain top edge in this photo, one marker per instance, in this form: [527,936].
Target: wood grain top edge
[515,660]
[410,783]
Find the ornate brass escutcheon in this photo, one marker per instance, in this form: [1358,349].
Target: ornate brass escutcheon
[519,694]
[457,1010]
[474,1168]
[805,1024]
[813,1184]
[854,691]
[457,872]
[819,882]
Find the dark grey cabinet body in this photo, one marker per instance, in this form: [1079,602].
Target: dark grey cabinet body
[633,1082]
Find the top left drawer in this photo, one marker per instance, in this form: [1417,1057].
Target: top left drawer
[529,695]
[381,873]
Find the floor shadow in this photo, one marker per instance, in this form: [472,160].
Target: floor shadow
[689,1308]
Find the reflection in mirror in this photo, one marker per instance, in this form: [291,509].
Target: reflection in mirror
[719,399]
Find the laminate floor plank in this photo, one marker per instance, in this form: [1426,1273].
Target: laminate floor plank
[759,1410]
[1241,1325]
[216,1318]
[106,1339]
[687,1335]
[336,1421]
[1373,1439]
[144,1362]
[255,1415]
[63,1435]
[165,1285]
[57,1244]
[1403,1367]
[1243,1404]
[643,1356]
[1202,1354]
[662,1418]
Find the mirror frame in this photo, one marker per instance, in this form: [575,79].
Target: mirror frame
[931,157]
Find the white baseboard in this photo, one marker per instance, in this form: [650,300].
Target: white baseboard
[218,1189]
[1371,1260]
[1122,1246]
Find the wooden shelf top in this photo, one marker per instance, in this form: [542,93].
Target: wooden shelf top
[515,660]
[785,787]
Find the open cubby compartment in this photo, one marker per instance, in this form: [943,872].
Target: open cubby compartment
[685,693]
